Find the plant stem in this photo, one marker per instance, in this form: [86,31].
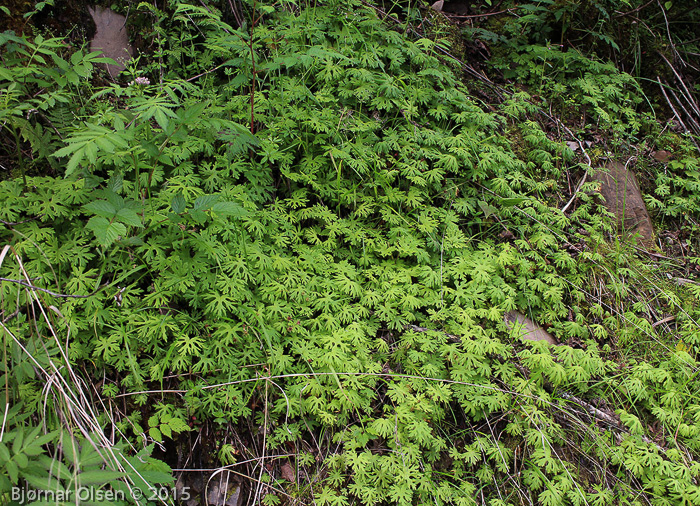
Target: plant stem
[252,58]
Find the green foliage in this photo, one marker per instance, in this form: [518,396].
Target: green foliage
[312,228]
[66,464]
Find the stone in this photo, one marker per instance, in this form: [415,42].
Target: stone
[528,329]
[661,156]
[620,189]
[111,37]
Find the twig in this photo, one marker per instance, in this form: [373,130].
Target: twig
[668,31]
[585,153]
[190,79]
[416,328]
[686,94]
[236,14]
[573,196]
[675,112]
[592,410]
[623,14]
[9,317]
[457,16]
[655,255]
[255,72]
[14,223]
[20,282]
[691,119]
[661,322]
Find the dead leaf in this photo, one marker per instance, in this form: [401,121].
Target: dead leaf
[661,156]
[287,472]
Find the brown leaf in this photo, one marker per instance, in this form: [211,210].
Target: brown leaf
[438,5]
[288,473]
[661,156]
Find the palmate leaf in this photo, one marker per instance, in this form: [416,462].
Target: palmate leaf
[115,208]
[159,108]
[105,231]
[238,137]
[86,145]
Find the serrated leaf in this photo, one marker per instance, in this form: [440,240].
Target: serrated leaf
[4,453]
[55,467]
[512,202]
[178,204]
[19,439]
[151,149]
[12,471]
[198,216]
[178,425]
[205,202]
[161,118]
[89,456]
[98,477]
[21,460]
[101,208]
[167,432]
[129,217]
[69,447]
[115,183]
[33,450]
[116,200]
[36,447]
[153,421]
[193,112]
[40,482]
[229,209]
[487,209]
[76,58]
[155,434]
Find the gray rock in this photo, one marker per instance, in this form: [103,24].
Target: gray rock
[111,38]
[528,329]
[620,189]
[223,491]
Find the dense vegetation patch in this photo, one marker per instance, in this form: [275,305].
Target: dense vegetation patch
[290,244]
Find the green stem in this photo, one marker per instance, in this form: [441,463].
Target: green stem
[20,159]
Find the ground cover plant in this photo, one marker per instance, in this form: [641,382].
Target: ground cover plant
[284,242]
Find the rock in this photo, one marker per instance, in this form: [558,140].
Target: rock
[111,38]
[623,198]
[222,490]
[529,330]
[573,146]
[661,156]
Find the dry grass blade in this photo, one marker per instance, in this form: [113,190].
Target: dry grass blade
[71,403]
